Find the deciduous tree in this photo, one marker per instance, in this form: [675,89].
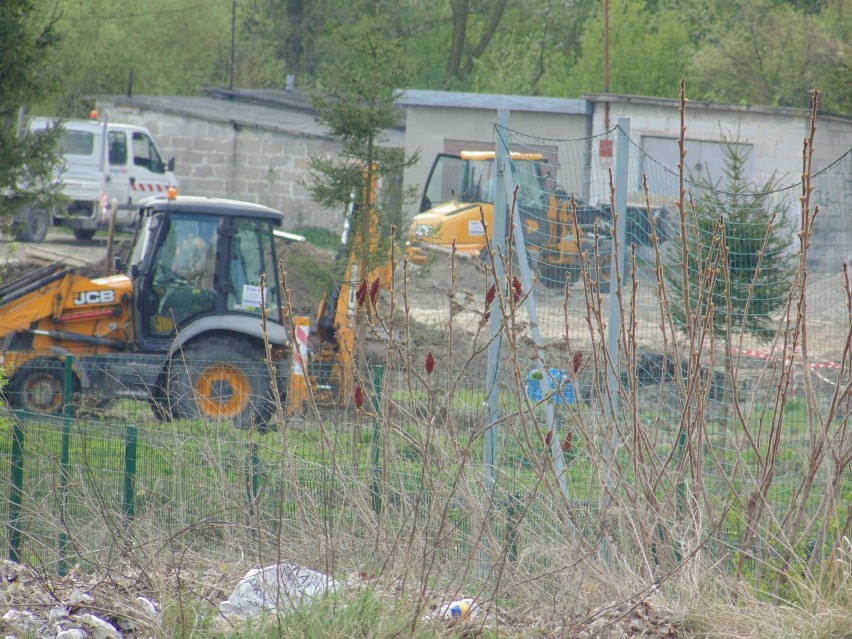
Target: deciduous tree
[649,52]
[465,46]
[766,52]
[27,35]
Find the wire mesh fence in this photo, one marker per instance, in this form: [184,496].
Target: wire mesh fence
[718,424]
[729,382]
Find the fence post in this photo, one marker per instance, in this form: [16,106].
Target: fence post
[378,379]
[252,467]
[513,524]
[617,269]
[16,491]
[130,442]
[65,477]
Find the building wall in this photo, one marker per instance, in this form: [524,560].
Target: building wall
[776,138]
[266,162]
[225,159]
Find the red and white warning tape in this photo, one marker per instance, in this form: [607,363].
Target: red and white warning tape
[766,354]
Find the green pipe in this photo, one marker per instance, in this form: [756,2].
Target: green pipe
[130,444]
[65,477]
[16,492]
[378,379]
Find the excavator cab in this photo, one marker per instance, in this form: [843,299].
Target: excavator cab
[195,260]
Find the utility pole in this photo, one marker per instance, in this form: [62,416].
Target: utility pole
[233,43]
[606,63]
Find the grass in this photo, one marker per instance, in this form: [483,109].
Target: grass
[320,237]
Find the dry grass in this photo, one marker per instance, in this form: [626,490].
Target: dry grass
[650,510]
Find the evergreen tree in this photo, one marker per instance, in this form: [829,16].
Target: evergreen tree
[738,260]
[363,64]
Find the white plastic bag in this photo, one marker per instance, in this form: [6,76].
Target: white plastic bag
[277,588]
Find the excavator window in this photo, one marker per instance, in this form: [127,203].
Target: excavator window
[252,254]
[183,281]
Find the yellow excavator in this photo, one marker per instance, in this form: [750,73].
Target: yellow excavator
[459,195]
[324,351]
[191,339]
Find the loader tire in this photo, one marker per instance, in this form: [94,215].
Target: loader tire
[220,378]
[34,227]
[37,387]
[159,403]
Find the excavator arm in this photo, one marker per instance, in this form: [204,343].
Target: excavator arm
[330,353]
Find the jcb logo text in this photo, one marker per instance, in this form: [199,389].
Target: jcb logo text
[94,297]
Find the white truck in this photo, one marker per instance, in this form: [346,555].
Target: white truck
[101,161]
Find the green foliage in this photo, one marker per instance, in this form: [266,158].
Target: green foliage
[319,236]
[363,614]
[649,51]
[765,52]
[363,64]
[281,37]
[537,42]
[738,266]
[171,48]
[27,37]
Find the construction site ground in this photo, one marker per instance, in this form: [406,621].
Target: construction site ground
[427,297]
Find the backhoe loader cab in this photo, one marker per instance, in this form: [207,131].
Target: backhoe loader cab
[458,187]
[202,259]
[184,327]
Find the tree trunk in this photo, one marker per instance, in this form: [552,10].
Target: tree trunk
[461,10]
[496,15]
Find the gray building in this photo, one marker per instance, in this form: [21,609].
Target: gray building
[256,145]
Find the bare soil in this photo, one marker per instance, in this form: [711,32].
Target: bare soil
[441,304]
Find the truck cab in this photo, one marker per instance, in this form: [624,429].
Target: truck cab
[101,161]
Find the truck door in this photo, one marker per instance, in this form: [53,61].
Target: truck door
[118,182]
[149,174]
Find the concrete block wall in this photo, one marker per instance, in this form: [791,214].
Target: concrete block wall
[223,159]
[267,164]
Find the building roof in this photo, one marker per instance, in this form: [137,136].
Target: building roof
[488,101]
[714,106]
[283,111]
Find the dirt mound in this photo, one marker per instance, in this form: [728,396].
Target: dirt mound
[308,273]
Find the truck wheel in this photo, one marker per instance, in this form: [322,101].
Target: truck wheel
[84,234]
[220,378]
[37,387]
[34,228]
